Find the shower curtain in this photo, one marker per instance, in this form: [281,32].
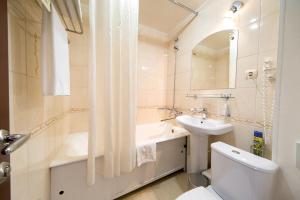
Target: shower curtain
[112,87]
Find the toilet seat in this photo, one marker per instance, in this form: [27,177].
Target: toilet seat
[200,193]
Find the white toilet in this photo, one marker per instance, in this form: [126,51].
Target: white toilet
[236,175]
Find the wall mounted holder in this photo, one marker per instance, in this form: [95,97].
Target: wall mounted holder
[298,154]
[220,96]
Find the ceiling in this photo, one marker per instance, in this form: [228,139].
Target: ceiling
[160,19]
[163,15]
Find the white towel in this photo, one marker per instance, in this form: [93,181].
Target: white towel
[55,67]
[146,153]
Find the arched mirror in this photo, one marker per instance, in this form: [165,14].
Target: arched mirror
[214,61]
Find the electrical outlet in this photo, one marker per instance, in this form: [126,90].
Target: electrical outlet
[251,74]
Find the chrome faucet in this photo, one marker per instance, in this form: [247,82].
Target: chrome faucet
[202,110]
[173,111]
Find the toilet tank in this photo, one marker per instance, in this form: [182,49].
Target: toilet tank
[240,175]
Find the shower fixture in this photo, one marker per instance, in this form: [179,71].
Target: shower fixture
[236,5]
[173,111]
[178,3]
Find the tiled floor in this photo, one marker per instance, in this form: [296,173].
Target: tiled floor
[165,189]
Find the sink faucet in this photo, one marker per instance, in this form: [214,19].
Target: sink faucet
[203,111]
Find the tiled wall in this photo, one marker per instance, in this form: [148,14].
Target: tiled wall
[79,60]
[45,118]
[152,79]
[257,23]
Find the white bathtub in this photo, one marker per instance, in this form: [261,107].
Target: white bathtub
[68,169]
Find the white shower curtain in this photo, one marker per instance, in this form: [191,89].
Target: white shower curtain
[113,81]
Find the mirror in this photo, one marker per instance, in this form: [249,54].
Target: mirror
[214,61]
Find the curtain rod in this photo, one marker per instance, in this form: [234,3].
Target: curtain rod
[70,27]
[184,6]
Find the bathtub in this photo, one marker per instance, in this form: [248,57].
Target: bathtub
[68,168]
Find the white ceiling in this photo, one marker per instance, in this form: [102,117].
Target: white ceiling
[160,19]
[163,15]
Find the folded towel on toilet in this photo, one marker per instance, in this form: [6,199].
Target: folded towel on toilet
[146,152]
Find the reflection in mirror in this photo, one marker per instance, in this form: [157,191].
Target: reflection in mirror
[214,61]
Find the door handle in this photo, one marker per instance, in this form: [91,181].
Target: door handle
[4,171]
[9,143]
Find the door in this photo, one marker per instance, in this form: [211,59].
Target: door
[4,92]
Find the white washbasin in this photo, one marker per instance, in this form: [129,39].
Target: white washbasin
[204,127]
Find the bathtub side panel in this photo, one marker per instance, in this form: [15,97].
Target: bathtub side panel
[68,182]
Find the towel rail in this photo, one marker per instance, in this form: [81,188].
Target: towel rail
[222,96]
[70,24]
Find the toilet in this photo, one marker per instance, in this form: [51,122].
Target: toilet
[236,175]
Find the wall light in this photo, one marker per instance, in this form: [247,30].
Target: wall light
[236,5]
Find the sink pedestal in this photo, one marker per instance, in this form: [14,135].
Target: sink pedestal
[198,157]
[200,129]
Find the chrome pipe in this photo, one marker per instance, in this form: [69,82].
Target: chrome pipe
[184,6]
[167,119]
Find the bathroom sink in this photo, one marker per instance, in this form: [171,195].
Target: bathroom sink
[203,127]
[200,129]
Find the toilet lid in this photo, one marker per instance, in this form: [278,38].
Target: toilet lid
[199,193]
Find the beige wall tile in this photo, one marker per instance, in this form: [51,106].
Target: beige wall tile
[33,45]
[153,69]
[243,105]
[169,98]
[79,122]
[183,64]
[16,42]
[79,48]
[18,99]
[79,97]
[19,174]
[269,29]
[249,13]
[183,81]
[269,6]
[79,76]
[150,115]
[244,64]
[35,99]
[248,40]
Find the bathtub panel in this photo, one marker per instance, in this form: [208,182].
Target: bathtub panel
[71,178]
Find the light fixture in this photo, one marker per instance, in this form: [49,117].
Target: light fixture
[236,5]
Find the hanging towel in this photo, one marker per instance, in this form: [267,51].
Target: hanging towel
[55,67]
[146,153]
